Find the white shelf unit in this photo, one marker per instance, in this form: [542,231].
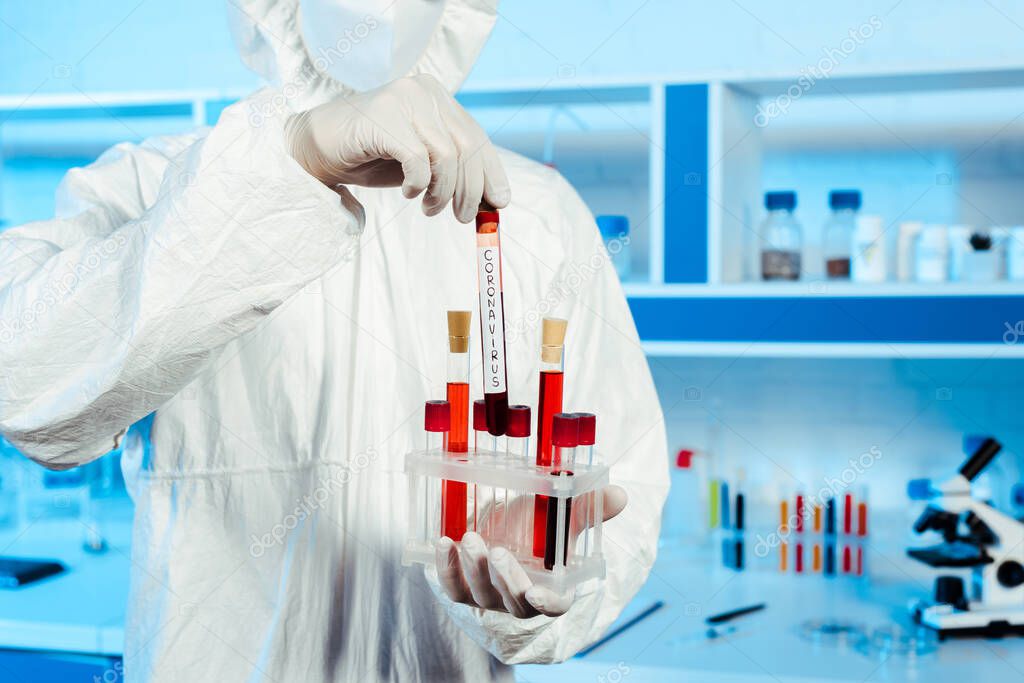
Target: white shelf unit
[628,118]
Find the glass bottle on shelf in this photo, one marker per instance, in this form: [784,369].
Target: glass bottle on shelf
[781,238]
[838,233]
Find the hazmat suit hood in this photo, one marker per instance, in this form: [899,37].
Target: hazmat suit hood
[318,49]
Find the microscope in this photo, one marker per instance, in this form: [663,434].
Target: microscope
[975,536]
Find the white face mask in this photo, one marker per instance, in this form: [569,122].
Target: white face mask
[367,43]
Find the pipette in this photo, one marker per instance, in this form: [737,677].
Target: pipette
[492,318]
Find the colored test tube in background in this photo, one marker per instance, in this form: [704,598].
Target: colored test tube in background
[783,535]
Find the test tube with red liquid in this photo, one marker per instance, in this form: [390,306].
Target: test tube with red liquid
[492,319]
[453,493]
[437,421]
[548,404]
[564,439]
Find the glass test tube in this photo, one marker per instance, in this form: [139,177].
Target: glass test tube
[548,403]
[437,421]
[585,453]
[517,451]
[492,318]
[482,441]
[564,439]
[453,493]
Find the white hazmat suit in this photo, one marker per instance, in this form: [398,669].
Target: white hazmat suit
[287,351]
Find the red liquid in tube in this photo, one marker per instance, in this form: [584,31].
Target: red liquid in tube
[492,321]
[549,403]
[458,397]
[454,493]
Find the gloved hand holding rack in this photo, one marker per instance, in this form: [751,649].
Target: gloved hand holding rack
[503,527]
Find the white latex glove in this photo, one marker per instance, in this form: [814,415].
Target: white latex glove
[409,133]
[493,579]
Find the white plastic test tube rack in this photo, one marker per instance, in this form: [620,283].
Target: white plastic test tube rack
[494,471]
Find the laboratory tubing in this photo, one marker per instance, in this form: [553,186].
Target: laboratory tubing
[781,238]
[437,421]
[869,263]
[492,319]
[564,440]
[552,353]
[838,233]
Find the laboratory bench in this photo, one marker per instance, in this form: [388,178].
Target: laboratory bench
[80,610]
[672,643]
[74,622]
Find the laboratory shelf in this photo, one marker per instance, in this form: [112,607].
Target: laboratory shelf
[797,320]
[682,155]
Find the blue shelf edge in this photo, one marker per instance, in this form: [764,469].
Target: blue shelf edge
[824,319]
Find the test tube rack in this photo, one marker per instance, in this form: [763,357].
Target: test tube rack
[498,484]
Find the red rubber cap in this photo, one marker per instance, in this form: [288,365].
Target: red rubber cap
[565,430]
[588,428]
[684,459]
[518,421]
[437,416]
[480,415]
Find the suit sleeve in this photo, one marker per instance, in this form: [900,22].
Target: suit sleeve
[160,255]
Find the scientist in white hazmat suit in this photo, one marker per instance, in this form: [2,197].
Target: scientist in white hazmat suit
[270,290]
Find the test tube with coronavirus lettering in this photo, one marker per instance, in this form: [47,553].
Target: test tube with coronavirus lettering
[437,421]
[564,440]
[548,404]
[492,318]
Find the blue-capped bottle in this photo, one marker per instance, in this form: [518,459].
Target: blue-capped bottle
[781,238]
[838,233]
